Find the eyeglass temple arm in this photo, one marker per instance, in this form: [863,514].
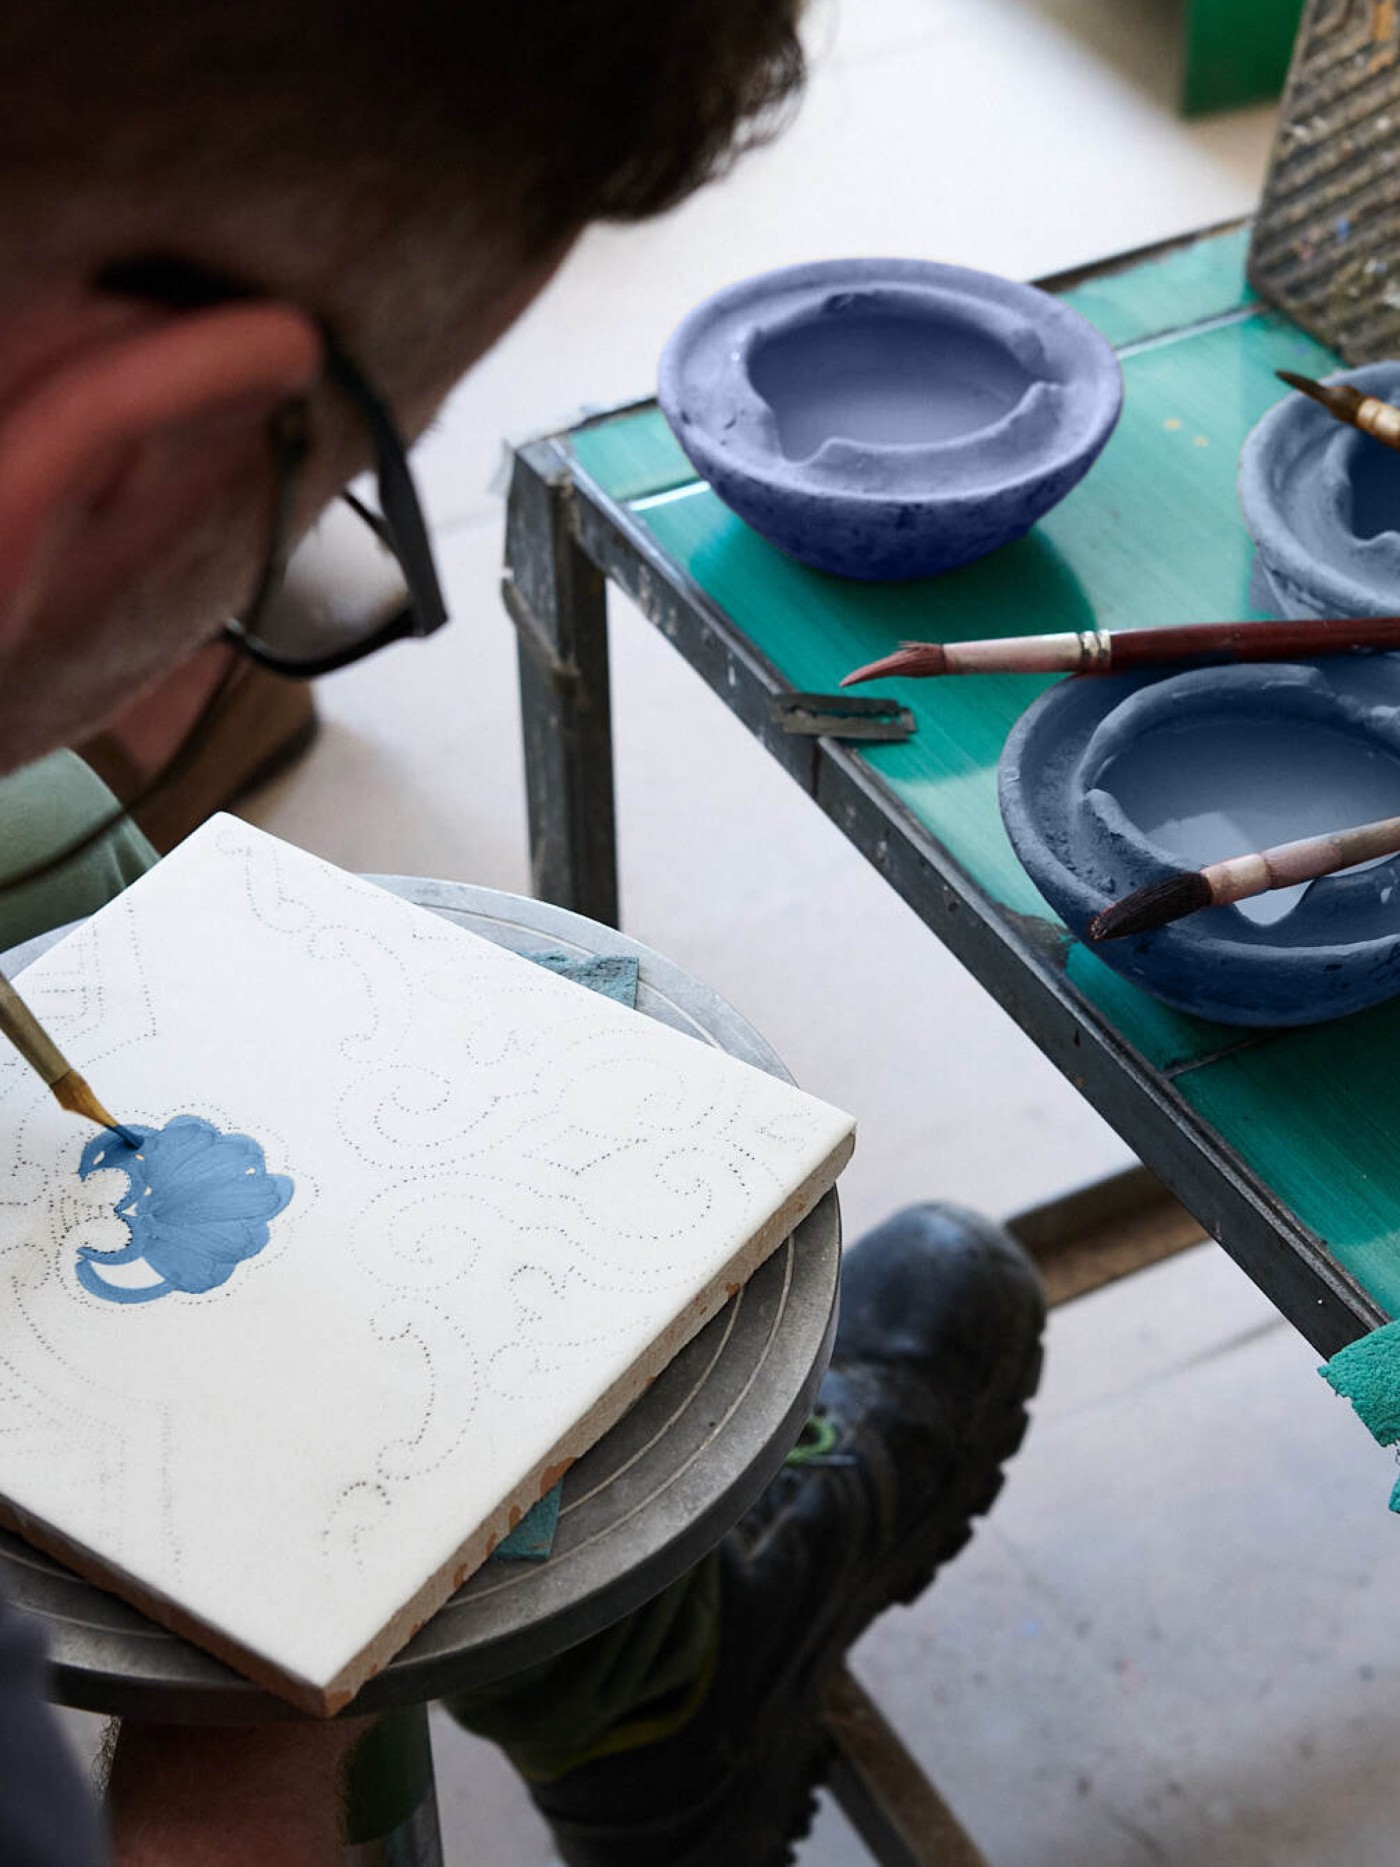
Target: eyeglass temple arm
[403,516]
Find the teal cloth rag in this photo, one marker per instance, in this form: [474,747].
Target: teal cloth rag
[615,977]
[1367,1373]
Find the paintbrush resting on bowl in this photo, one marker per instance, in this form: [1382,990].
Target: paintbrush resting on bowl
[1366,412]
[41,1053]
[1097,651]
[1238,877]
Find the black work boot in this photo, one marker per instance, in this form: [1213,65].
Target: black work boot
[937,1352]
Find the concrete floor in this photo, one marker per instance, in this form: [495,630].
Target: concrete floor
[1173,1641]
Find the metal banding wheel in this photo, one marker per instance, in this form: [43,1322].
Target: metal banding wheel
[639,1510]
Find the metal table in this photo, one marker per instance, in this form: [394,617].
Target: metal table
[638,1511]
[1279,1142]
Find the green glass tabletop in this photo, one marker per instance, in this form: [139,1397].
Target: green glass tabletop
[1152,535]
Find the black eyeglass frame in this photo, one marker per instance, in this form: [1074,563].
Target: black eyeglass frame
[183,285]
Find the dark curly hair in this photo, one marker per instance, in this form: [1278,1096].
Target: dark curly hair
[553,113]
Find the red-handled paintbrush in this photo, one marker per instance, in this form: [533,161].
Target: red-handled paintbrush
[1238,877]
[1097,651]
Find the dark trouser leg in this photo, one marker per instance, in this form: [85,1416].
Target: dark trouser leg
[632,1684]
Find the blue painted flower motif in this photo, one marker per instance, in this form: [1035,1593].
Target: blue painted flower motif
[198,1202]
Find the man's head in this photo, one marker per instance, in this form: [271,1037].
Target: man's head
[412,177]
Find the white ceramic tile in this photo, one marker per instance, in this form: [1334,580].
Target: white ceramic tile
[480,1209]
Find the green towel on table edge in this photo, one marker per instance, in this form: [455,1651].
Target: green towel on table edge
[1367,1373]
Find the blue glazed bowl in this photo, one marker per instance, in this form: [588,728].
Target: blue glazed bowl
[1322,503]
[889,418]
[1110,782]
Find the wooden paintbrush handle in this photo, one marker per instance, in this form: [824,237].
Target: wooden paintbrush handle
[28,1036]
[1378,418]
[1027,654]
[1287,864]
[1253,641]
[1367,841]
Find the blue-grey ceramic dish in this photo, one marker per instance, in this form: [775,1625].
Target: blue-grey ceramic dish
[1110,782]
[1322,503]
[889,418]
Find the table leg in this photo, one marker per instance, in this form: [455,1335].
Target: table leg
[391,1816]
[557,599]
[885,1796]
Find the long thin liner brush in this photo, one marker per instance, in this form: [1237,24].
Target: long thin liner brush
[1238,877]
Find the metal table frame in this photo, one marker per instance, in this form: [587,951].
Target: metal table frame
[566,539]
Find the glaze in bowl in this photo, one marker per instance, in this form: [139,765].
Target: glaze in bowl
[1322,503]
[889,419]
[1110,782]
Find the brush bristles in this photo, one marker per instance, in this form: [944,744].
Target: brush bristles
[1339,398]
[73,1093]
[1186,892]
[913,658]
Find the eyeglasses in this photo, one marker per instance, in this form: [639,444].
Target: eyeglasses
[289,637]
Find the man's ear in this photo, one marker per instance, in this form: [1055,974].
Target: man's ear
[72,441]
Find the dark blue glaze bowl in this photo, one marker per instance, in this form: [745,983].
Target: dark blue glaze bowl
[1110,782]
[889,418]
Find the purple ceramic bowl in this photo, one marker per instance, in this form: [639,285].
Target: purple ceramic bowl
[889,418]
